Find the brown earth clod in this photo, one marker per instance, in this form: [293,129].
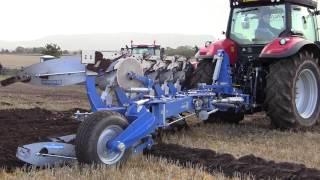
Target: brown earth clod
[249,165]
[24,126]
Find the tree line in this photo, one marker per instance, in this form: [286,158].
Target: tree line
[186,51]
[55,50]
[48,49]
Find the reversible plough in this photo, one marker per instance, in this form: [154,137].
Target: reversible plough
[114,130]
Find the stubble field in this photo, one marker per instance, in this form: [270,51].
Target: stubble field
[249,150]
[28,113]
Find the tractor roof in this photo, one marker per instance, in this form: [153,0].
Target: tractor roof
[145,46]
[243,3]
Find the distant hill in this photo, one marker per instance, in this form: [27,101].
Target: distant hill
[111,41]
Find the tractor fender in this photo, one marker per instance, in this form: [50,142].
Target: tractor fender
[228,45]
[279,50]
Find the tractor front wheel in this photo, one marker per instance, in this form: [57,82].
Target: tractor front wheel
[203,74]
[292,94]
[94,134]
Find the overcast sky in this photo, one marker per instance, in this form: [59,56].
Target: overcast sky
[32,19]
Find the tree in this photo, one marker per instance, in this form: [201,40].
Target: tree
[20,50]
[53,50]
[76,52]
[37,50]
[186,51]
[66,52]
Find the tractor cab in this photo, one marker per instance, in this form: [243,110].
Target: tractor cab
[254,24]
[145,50]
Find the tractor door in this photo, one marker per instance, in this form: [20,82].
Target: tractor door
[304,22]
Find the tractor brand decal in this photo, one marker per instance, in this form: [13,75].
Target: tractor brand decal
[254,1]
[54,146]
[248,1]
[232,49]
[23,152]
[51,82]
[185,106]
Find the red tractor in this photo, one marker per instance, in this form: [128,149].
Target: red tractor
[274,52]
[146,50]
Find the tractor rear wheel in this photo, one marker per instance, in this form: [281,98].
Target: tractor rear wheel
[94,134]
[226,117]
[292,93]
[203,74]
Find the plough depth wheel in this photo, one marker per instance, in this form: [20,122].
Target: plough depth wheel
[94,134]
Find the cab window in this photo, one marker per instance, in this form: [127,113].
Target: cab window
[257,25]
[303,22]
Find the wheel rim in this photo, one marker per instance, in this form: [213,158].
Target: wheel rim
[306,93]
[106,155]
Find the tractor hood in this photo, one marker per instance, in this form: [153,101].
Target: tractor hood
[209,51]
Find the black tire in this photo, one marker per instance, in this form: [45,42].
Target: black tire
[89,132]
[281,91]
[203,74]
[179,126]
[226,117]
[188,76]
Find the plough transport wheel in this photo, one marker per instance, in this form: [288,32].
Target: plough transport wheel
[94,134]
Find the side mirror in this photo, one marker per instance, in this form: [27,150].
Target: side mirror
[245,23]
[162,51]
[196,49]
[208,43]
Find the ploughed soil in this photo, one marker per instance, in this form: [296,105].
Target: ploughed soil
[25,126]
[248,165]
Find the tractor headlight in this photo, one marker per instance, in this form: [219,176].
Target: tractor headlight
[283,42]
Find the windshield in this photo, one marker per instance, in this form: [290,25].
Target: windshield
[150,51]
[257,25]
